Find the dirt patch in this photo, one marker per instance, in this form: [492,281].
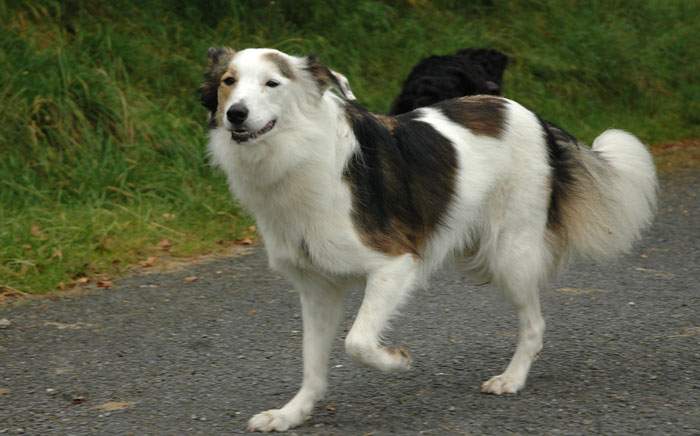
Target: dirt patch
[676,155]
[88,285]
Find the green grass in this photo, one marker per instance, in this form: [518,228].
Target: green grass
[102,142]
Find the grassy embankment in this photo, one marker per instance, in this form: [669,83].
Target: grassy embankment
[102,138]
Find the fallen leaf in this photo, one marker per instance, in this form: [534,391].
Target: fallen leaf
[5,323]
[36,231]
[165,244]
[169,216]
[687,332]
[244,241]
[82,280]
[57,254]
[4,391]
[252,312]
[252,229]
[111,406]
[148,262]
[65,326]
[191,279]
[104,284]
[657,273]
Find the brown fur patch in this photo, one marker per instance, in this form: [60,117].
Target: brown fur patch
[482,114]
[388,121]
[224,91]
[281,63]
[219,59]
[395,240]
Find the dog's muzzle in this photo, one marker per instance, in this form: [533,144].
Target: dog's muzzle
[243,135]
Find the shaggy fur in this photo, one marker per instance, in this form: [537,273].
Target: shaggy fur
[470,71]
[347,200]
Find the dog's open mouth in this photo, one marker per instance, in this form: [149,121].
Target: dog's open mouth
[243,135]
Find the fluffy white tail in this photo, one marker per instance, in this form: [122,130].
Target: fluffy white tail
[614,198]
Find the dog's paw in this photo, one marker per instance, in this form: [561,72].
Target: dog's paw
[400,359]
[502,384]
[273,420]
[379,357]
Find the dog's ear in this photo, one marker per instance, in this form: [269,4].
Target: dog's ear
[219,58]
[493,87]
[344,85]
[320,73]
[217,54]
[325,78]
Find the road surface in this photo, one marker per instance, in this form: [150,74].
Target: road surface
[158,354]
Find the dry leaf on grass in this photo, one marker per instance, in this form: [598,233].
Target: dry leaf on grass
[36,231]
[82,280]
[104,284]
[165,244]
[149,262]
[191,279]
[244,241]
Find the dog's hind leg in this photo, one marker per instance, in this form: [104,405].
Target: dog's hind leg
[386,289]
[520,269]
[322,307]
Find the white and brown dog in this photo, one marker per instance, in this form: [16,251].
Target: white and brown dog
[345,198]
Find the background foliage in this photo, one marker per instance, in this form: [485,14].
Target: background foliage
[102,144]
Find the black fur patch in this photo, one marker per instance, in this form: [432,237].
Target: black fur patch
[560,147]
[402,180]
[482,115]
[436,78]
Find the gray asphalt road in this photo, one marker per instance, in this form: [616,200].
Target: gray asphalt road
[158,355]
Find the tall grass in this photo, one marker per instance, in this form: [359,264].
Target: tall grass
[102,140]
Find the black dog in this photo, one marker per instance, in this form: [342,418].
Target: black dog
[470,71]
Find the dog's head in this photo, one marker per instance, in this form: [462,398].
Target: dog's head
[253,92]
[436,78]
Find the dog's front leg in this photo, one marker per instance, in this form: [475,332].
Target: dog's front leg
[322,307]
[387,288]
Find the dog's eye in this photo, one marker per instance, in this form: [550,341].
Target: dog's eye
[229,81]
[272,84]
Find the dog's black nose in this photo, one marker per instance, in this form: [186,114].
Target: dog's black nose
[237,113]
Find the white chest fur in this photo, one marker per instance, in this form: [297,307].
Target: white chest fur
[301,203]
